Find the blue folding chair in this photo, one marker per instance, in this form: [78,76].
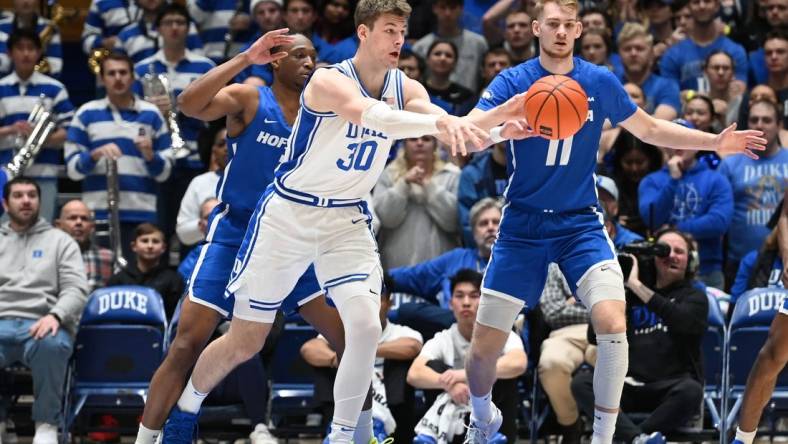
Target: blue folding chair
[713,347]
[747,332]
[119,345]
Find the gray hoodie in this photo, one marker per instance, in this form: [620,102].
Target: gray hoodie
[41,272]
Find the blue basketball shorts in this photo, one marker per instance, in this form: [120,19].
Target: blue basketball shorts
[212,273]
[528,242]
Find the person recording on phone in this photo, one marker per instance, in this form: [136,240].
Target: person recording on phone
[667,317]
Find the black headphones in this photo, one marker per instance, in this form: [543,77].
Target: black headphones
[693,259]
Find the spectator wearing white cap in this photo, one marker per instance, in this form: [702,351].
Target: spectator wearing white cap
[694,198]
[607,192]
[267,15]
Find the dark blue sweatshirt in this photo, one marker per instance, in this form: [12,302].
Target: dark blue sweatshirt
[699,203]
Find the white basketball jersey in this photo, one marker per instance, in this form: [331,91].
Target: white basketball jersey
[331,162]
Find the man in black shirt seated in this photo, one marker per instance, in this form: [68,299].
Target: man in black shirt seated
[665,327]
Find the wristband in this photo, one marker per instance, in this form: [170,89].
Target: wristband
[495,134]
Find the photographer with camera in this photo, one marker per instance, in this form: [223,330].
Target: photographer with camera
[665,326]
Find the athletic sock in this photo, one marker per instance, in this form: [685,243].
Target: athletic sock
[341,434]
[481,408]
[745,437]
[191,399]
[604,427]
[146,435]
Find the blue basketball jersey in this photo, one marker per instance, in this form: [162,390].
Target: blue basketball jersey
[252,157]
[558,175]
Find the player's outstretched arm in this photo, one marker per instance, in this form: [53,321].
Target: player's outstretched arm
[668,134]
[207,98]
[330,91]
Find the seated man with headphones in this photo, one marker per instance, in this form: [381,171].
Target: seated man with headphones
[666,322]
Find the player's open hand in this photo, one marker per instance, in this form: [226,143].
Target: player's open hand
[516,130]
[457,131]
[730,141]
[260,51]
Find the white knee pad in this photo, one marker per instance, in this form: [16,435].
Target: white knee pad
[601,283]
[498,311]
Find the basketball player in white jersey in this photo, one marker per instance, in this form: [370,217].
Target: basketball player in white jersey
[314,213]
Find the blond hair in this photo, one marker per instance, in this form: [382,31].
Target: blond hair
[399,166]
[571,4]
[633,30]
[367,11]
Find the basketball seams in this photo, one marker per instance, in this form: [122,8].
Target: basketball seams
[544,116]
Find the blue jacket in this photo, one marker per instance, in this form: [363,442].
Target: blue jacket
[431,280]
[625,236]
[700,203]
[476,183]
[745,271]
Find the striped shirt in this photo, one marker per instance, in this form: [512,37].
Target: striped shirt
[105,19]
[141,40]
[213,19]
[97,123]
[180,75]
[53,51]
[17,99]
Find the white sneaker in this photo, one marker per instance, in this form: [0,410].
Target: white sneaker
[261,435]
[481,433]
[45,433]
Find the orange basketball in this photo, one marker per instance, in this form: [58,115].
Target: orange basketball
[556,107]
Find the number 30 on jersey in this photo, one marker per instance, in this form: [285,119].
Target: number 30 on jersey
[360,158]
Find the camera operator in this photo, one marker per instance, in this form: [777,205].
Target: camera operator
[665,327]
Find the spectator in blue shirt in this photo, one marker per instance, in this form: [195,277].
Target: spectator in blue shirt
[683,61]
[608,198]
[717,83]
[776,18]
[24,16]
[484,176]
[431,280]
[775,64]
[518,39]
[336,27]
[695,199]
[635,45]
[596,47]
[267,14]
[762,268]
[758,185]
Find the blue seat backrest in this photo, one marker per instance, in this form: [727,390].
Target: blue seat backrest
[124,304]
[713,344]
[288,365]
[121,336]
[748,330]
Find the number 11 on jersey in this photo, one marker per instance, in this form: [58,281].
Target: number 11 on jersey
[566,150]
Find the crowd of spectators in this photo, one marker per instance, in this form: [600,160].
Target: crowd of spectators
[705,64]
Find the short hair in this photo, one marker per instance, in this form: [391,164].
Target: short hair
[311,3]
[633,30]
[388,285]
[692,251]
[408,54]
[719,52]
[19,180]
[173,8]
[775,106]
[520,10]
[466,275]
[146,228]
[367,11]
[20,34]
[499,51]
[450,2]
[706,99]
[678,5]
[481,206]
[572,4]
[118,57]
[776,33]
